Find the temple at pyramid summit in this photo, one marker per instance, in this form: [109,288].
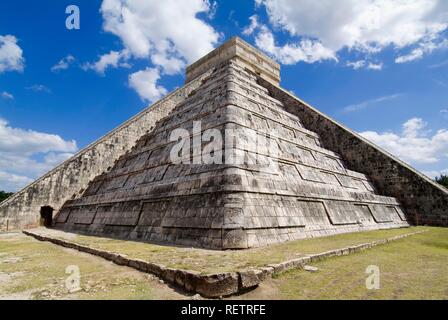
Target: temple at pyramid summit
[228,161]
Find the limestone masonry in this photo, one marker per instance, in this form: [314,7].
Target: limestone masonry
[326,178]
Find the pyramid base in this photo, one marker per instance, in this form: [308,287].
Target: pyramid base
[222,239]
[239,220]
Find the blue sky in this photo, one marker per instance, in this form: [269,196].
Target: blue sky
[379,67]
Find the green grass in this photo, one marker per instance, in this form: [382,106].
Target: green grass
[411,268]
[30,269]
[212,261]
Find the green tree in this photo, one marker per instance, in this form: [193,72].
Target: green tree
[4,195]
[442,180]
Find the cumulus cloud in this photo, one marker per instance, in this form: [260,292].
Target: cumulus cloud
[11,58]
[306,50]
[167,32]
[27,154]
[414,144]
[63,64]
[6,95]
[145,83]
[113,59]
[28,141]
[364,25]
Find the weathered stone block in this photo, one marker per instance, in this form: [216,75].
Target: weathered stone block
[217,285]
[251,278]
[234,239]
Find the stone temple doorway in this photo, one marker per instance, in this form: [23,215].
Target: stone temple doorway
[46,216]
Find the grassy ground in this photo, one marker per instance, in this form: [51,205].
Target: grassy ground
[212,261]
[411,268]
[30,269]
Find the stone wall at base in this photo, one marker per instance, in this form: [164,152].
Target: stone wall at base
[70,179]
[425,201]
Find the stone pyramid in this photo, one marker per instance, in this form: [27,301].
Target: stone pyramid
[247,171]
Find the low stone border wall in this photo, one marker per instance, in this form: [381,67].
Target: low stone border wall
[219,284]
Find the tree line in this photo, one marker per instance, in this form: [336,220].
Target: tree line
[443,180]
[4,195]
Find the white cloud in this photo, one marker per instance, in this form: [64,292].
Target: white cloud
[113,59]
[28,141]
[53,158]
[252,27]
[367,103]
[6,95]
[63,64]
[145,83]
[213,8]
[167,32]
[11,58]
[414,144]
[39,88]
[20,151]
[418,53]
[12,182]
[306,50]
[356,64]
[364,25]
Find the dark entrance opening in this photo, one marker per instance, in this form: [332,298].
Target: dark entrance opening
[46,216]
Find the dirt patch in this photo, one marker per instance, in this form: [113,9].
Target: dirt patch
[6,235]
[24,295]
[267,290]
[39,272]
[6,277]
[11,260]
